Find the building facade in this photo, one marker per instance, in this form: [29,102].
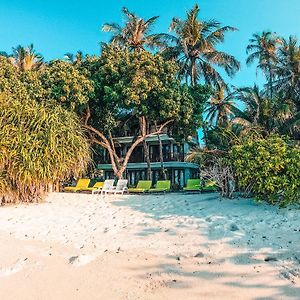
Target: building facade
[176,168]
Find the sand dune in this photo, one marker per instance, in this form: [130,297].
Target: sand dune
[184,246]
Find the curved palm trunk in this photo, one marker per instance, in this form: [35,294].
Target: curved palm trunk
[147,159]
[161,157]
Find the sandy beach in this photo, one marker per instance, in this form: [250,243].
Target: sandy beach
[184,246]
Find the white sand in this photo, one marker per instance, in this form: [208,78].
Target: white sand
[175,246]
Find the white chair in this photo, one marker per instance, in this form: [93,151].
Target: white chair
[120,188]
[107,186]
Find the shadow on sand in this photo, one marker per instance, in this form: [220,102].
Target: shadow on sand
[259,237]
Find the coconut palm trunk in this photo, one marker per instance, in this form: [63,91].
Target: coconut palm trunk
[193,72]
[147,159]
[270,80]
[161,157]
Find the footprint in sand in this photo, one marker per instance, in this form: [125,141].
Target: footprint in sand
[216,231]
[15,268]
[81,260]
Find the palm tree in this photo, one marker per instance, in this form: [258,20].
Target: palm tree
[194,47]
[262,113]
[69,57]
[4,53]
[26,58]
[221,108]
[74,59]
[288,70]
[257,112]
[286,117]
[135,34]
[263,47]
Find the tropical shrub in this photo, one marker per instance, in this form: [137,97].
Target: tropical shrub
[215,166]
[21,84]
[39,146]
[9,78]
[65,84]
[269,168]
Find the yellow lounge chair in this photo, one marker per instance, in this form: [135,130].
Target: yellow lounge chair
[81,184]
[193,185]
[142,187]
[161,186]
[96,187]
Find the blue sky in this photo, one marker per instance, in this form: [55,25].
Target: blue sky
[56,27]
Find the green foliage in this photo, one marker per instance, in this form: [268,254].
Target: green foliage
[194,46]
[221,108]
[136,84]
[39,145]
[30,81]
[65,84]
[9,78]
[26,58]
[136,32]
[269,167]
[191,110]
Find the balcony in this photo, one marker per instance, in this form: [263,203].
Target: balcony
[169,156]
[139,158]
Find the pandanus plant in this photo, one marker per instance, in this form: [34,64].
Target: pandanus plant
[39,146]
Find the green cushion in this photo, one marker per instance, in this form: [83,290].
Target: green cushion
[192,188]
[210,185]
[193,182]
[142,186]
[193,185]
[136,190]
[162,186]
[210,188]
[158,190]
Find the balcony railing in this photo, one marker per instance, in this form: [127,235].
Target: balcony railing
[139,158]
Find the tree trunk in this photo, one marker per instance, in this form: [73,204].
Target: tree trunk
[271,82]
[193,72]
[119,164]
[161,158]
[205,135]
[147,159]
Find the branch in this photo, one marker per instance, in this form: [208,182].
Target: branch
[160,128]
[112,142]
[98,133]
[141,139]
[95,141]
[106,145]
[143,125]
[88,115]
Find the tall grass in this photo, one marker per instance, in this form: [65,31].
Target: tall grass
[39,146]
